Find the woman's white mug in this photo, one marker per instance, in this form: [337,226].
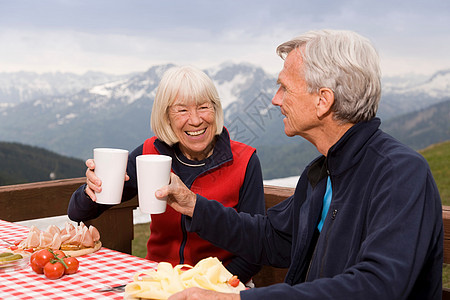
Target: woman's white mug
[110,168]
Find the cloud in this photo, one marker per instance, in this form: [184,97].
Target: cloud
[132,35]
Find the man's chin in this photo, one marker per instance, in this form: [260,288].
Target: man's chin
[288,132]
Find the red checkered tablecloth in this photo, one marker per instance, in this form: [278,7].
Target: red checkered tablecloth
[104,267]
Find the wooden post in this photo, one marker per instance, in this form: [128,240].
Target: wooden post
[271,275]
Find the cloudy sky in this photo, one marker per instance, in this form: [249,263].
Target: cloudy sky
[122,36]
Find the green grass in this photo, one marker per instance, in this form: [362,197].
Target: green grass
[141,235]
[438,157]
[446,276]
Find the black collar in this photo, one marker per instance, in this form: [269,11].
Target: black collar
[345,153]
[317,171]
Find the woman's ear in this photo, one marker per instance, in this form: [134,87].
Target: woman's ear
[325,102]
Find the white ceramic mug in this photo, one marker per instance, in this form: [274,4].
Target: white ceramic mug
[153,172]
[110,168]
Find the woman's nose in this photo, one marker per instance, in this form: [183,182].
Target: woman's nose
[194,117]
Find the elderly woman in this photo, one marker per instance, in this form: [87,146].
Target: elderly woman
[187,119]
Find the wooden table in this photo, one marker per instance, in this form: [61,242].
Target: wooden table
[104,267]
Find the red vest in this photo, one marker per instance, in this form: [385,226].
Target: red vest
[221,184]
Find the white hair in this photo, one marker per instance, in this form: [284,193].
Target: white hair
[345,62]
[183,85]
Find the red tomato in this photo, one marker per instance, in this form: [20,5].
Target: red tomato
[72,265]
[43,257]
[35,267]
[233,281]
[54,271]
[59,253]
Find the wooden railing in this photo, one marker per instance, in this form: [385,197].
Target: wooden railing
[29,201]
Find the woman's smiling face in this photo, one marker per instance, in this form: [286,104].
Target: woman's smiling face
[195,126]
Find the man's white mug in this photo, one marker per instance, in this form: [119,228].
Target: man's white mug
[110,168]
[153,172]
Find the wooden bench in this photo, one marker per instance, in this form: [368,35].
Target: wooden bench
[48,199]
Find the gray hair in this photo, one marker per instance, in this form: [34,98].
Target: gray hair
[345,62]
[183,85]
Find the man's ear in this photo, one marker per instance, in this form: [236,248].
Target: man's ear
[325,102]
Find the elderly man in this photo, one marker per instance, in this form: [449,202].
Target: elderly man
[365,221]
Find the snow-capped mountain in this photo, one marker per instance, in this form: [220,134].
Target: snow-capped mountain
[408,94]
[22,87]
[115,111]
[437,85]
[128,90]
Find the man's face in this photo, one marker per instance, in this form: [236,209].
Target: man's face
[297,105]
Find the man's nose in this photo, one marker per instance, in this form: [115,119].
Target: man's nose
[277,99]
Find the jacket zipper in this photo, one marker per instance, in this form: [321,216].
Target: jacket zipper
[183,241]
[317,242]
[310,262]
[333,216]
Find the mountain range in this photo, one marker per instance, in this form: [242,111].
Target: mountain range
[21,87]
[72,114]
